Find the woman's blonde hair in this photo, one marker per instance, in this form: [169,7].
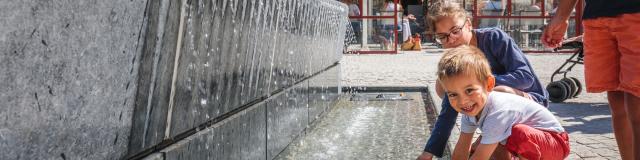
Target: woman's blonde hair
[444,9]
[464,59]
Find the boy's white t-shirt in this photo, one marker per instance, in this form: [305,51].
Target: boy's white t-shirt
[502,111]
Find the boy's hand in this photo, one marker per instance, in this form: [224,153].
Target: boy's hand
[425,156]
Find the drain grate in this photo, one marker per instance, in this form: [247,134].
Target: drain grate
[387,96]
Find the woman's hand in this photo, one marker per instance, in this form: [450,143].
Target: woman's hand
[425,156]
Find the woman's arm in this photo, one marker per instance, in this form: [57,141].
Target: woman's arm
[463,146]
[517,73]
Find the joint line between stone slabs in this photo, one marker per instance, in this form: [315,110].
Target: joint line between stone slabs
[164,5]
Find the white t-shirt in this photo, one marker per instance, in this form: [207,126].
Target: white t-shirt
[493,5]
[502,111]
[388,11]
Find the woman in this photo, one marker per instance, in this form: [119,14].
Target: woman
[452,27]
[389,8]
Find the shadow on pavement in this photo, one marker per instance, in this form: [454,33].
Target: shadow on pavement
[587,118]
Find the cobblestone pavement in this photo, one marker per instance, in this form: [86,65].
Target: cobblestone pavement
[586,118]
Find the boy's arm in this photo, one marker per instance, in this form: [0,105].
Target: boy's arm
[484,151]
[462,147]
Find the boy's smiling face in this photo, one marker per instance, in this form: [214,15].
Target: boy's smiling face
[467,94]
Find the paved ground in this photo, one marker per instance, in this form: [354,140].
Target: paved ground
[586,118]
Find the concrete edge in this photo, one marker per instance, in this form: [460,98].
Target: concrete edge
[348,89]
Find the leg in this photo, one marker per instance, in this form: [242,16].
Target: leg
[532,143]
[602,64]
[621,125]
[628,40]
[501,153]
[442,130]
[632,105]
[383,42]
[386,32]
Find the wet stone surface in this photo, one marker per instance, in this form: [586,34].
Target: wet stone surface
[360,129]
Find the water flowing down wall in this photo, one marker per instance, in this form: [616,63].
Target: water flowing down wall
[165,79]
[238,78]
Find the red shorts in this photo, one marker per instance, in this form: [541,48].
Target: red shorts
[612,53]
[537,144]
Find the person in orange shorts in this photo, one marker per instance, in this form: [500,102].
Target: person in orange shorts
[612,52]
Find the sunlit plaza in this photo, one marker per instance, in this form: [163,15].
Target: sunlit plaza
[262,79]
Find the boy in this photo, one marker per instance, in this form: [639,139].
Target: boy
[508,122]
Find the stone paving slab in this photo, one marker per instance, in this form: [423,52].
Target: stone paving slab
[586,118]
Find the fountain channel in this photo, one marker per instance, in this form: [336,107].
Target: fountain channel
[371,123]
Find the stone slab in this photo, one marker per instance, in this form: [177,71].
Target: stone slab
[287,116]
[241,136]
[68,77]
[156,71]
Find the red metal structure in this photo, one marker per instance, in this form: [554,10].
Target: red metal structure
[521,19]
[370,24]
[514,11]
